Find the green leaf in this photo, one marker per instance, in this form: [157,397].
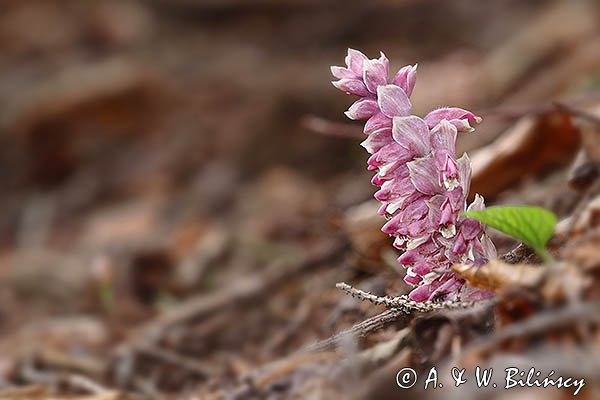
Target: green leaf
[532,225]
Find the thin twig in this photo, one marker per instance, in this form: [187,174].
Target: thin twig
[362,329]
[404,303]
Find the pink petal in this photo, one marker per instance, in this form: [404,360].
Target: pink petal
[443,137]
[456,116]
[435,209]
[477,204]
[470,228]
[394,189]
[391,227]
[400,223]
[406,78]
[362,109]
[374,74]
[409,257]
[342,73]
[352,86]
[387,172]
[460,245]
[448,169]
[412,133]
[393,101]
[389,153]
[385,62]
[424,175]
[412,280]
[420,293]
[464,172]
[355,60]
[418,227]
[422,268]
[377,139]
[489,250]
[450,287]
[401,201]
[447,214]
[377,122]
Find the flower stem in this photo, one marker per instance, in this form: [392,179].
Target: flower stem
[545,255]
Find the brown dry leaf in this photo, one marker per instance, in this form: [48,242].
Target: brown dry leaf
[496,274]
[530,146]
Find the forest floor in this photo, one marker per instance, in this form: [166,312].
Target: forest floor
[181,195]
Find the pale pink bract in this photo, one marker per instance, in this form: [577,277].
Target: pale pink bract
[423,186]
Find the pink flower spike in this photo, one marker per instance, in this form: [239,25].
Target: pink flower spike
[423,187]
[393,102]
[406,78]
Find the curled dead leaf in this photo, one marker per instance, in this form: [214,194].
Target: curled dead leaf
[496,274]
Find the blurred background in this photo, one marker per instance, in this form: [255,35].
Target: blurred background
[181,190]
